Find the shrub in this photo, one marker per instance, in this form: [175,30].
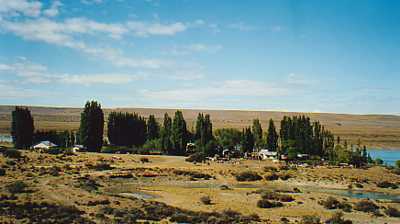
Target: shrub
[12,153]
[337,218]
[144,160]
[102,166]
[17,187]
[331,203]
[398,164]
[196,157]
[271,176]
[387,184]
[248,176]
[310,219]
[2,172]
[181,218]
[224,187]
[193,174]
[366,206]
[284,176]
[392,212]
[264,203]
[396,171]
[276,196]
[206,200]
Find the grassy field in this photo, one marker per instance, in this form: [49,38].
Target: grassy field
[378,131]
[104,188]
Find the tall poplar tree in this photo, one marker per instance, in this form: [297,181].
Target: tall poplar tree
[166,134]
[257,133]
[22,128]
[247,140]
[153,128]
[92,126]
[179,134]
[272,136]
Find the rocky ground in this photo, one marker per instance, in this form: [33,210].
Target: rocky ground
[112,188]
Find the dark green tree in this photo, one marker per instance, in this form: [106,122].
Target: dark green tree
[272,136]
[166,134]
[153,128]
[247,140]
[92,126]
[204,135]
[228,138]
[22,128]
[257,133]
[179,134]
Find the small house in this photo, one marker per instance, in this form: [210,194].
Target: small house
[266,154]
[44,145]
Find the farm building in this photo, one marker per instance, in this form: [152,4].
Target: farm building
[44,145]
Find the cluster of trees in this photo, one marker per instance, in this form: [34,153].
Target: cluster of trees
[298,134]
[125,129]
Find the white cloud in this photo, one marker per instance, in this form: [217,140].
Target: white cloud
[229,88]
[241,26]
[99,79]
[91,2]
[20,7]
[29,72]
[194,48]
[53,10]
[144,29]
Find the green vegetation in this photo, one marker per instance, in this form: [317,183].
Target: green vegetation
[264,203]
[22,128]
[125,129]
[257,134]
[179,137]
[92,126]
[272,137]
[248,176]
[61,139]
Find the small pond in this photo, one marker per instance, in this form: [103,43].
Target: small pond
[389,157]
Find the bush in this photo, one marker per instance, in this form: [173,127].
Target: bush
[102,166]
[337,218]
[2,172]
[193,174]
[264,203]
[398,164]
[270,169]
[392,212]
[206,200]
[17,187]
[271,176]
[12,153]
[331,203]
[366,206]
[144,160]
[277,197]
[387,184]
[248,176]
[196,157]
[310,219]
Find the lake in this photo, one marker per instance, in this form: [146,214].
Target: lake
[5,138]
[389,157]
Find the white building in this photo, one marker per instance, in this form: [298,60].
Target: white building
[44,145]
[266,154]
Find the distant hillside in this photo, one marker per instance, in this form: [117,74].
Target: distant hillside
[381,131]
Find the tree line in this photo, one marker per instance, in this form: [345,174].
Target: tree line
[297,135]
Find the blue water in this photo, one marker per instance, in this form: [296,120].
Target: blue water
[5,138]
[389,157]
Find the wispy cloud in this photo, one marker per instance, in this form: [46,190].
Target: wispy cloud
[29,72]
[53,10]
[226,89]
[241,26]
[91,2]
[194,48]
[20,7]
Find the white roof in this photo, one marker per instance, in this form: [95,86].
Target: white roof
[267,152]
[45,144]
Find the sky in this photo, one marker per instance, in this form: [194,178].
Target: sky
[337,56]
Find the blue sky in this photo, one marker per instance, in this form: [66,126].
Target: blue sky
[315,56]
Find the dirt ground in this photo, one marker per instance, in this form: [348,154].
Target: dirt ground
[129,182]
